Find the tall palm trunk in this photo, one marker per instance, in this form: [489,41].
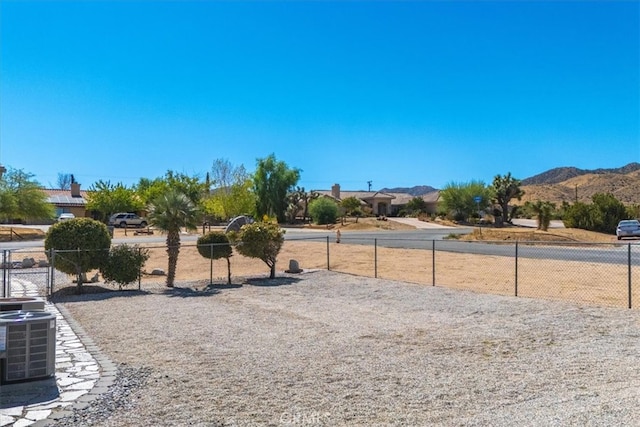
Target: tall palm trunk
[173,249]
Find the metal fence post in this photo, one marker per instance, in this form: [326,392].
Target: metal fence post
[328,267]
[48,276]
[375,258]
[6,292]
[140,269]
[516,270]
[629,271]
[433,262]
[52,268]
[211,264]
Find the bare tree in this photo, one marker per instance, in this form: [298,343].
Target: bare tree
[64,181]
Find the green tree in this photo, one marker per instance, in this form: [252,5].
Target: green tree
[351,206]
[215,245]
[170,212]
[543,212]
[323,211]
[293,206]
[607,211]
[80,245]
[238,200]
[578,215]
[231,194]
[272,181]
[416,206]
[190,186]
[506,188]
[602,215]
[21,197]
[261,240]
[306,198]
[106,199]
[458,199]
[123,264]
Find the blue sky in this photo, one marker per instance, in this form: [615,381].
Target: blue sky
[397,93]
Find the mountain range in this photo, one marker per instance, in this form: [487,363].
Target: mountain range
[567,184]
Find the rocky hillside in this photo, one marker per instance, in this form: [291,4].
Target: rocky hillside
[559,175]
[567,184]
[570,184]
[418,190]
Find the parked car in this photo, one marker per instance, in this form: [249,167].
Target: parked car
[628,228]
[125,220]
[66,216]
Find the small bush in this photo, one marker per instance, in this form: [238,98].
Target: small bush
[81,245]
[124,263]
[261,240]
[323,211]
[215,245]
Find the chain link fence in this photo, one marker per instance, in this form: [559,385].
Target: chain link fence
[603,274]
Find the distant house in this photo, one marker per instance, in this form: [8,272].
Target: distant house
[68,201]
[388,204]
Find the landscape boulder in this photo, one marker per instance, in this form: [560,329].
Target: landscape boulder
[157,272]
[294,267]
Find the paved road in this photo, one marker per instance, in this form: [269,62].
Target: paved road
[431,236]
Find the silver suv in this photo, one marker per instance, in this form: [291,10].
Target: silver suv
[125,220]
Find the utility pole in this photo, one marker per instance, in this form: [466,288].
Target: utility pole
[369,183]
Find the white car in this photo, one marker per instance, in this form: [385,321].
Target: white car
[124,220]
[66,216]
[628,228]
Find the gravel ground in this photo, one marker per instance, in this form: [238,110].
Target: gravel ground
[325,348]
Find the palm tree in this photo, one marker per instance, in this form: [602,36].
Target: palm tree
[170,212]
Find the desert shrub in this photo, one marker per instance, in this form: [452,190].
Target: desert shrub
[215,245]
[323,211]
[602,215]
[124,263]
[81,245]
[261,240]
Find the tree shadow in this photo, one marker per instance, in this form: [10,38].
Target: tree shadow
[222,286]
[180,292]
[93,293]
[277,281]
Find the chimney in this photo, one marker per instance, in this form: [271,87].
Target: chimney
[335,191]
[75,189]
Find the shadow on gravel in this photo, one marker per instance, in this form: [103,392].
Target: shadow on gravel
[93,293]
[190,292]
[278,281]
[220,286]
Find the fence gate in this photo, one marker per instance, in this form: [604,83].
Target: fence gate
[25,272]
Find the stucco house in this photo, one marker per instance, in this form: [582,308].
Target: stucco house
[388,204]
[68,201]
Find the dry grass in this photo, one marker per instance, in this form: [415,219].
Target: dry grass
[532,235]
[10,233]
[597,283]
